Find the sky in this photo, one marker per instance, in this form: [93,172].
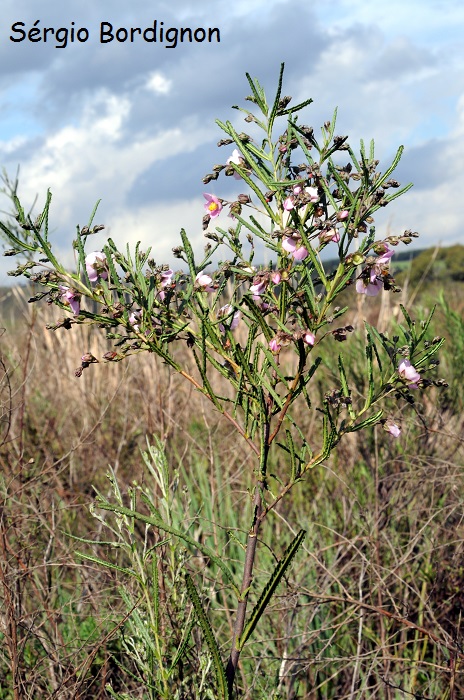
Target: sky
[133,124]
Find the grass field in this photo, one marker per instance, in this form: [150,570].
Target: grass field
[372,606]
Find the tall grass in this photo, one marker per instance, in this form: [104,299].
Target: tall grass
[372,607]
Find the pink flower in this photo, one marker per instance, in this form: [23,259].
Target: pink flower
[166,277]
[274,346]
[312,193]
[227,311]
[71,298]
[373,284]
[213,206]
[259,287]
[204,281]
[392,428]
[297,189]
[276,277]
[300,253]
[309,338]
[293,246]
[288,204]
[342,215]
[384,259]
[330,235]
[408,373]
[95,264]
[370,288]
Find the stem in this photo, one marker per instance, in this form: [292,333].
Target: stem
[246,583]
[293,388]
[252,542]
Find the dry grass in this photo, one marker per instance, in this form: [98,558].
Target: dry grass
[373,607]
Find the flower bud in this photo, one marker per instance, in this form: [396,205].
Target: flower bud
[88,358]
[244,198]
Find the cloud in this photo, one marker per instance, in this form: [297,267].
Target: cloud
[158,83]
[134,123]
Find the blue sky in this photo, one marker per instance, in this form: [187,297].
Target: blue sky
[133,124]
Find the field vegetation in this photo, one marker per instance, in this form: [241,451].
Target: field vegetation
[93,603]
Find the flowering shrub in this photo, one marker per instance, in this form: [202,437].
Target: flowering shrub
[302,196]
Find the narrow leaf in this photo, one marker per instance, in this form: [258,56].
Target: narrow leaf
[209,637]
[270,587]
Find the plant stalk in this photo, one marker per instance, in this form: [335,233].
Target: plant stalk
[246,583]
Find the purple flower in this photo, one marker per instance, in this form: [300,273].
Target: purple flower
[274,346]
[288,204]
[71,298]
[213,206]
[95,264]
[392,428]
[227,311]
[342,215]
[292,245]
[370,288]
[309,338]
[258,287]
[370,282]
[408,373]
[330,235]
[205,281]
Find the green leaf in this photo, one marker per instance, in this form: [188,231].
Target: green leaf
[295,464]
[189,254]
[370,372]
[182,648]
[106,564]
[94,211]
[426,325]
[139,623]
[365,423]
[17,241]
[344,383]
[155,593]
[384,177]
[296,108]
[157,522]
[270,588]
[275,106]
[209,637]
[257,94]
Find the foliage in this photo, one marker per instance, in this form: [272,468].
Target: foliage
[256,359]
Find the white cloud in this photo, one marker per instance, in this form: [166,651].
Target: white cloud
[92,159]
[158,83]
